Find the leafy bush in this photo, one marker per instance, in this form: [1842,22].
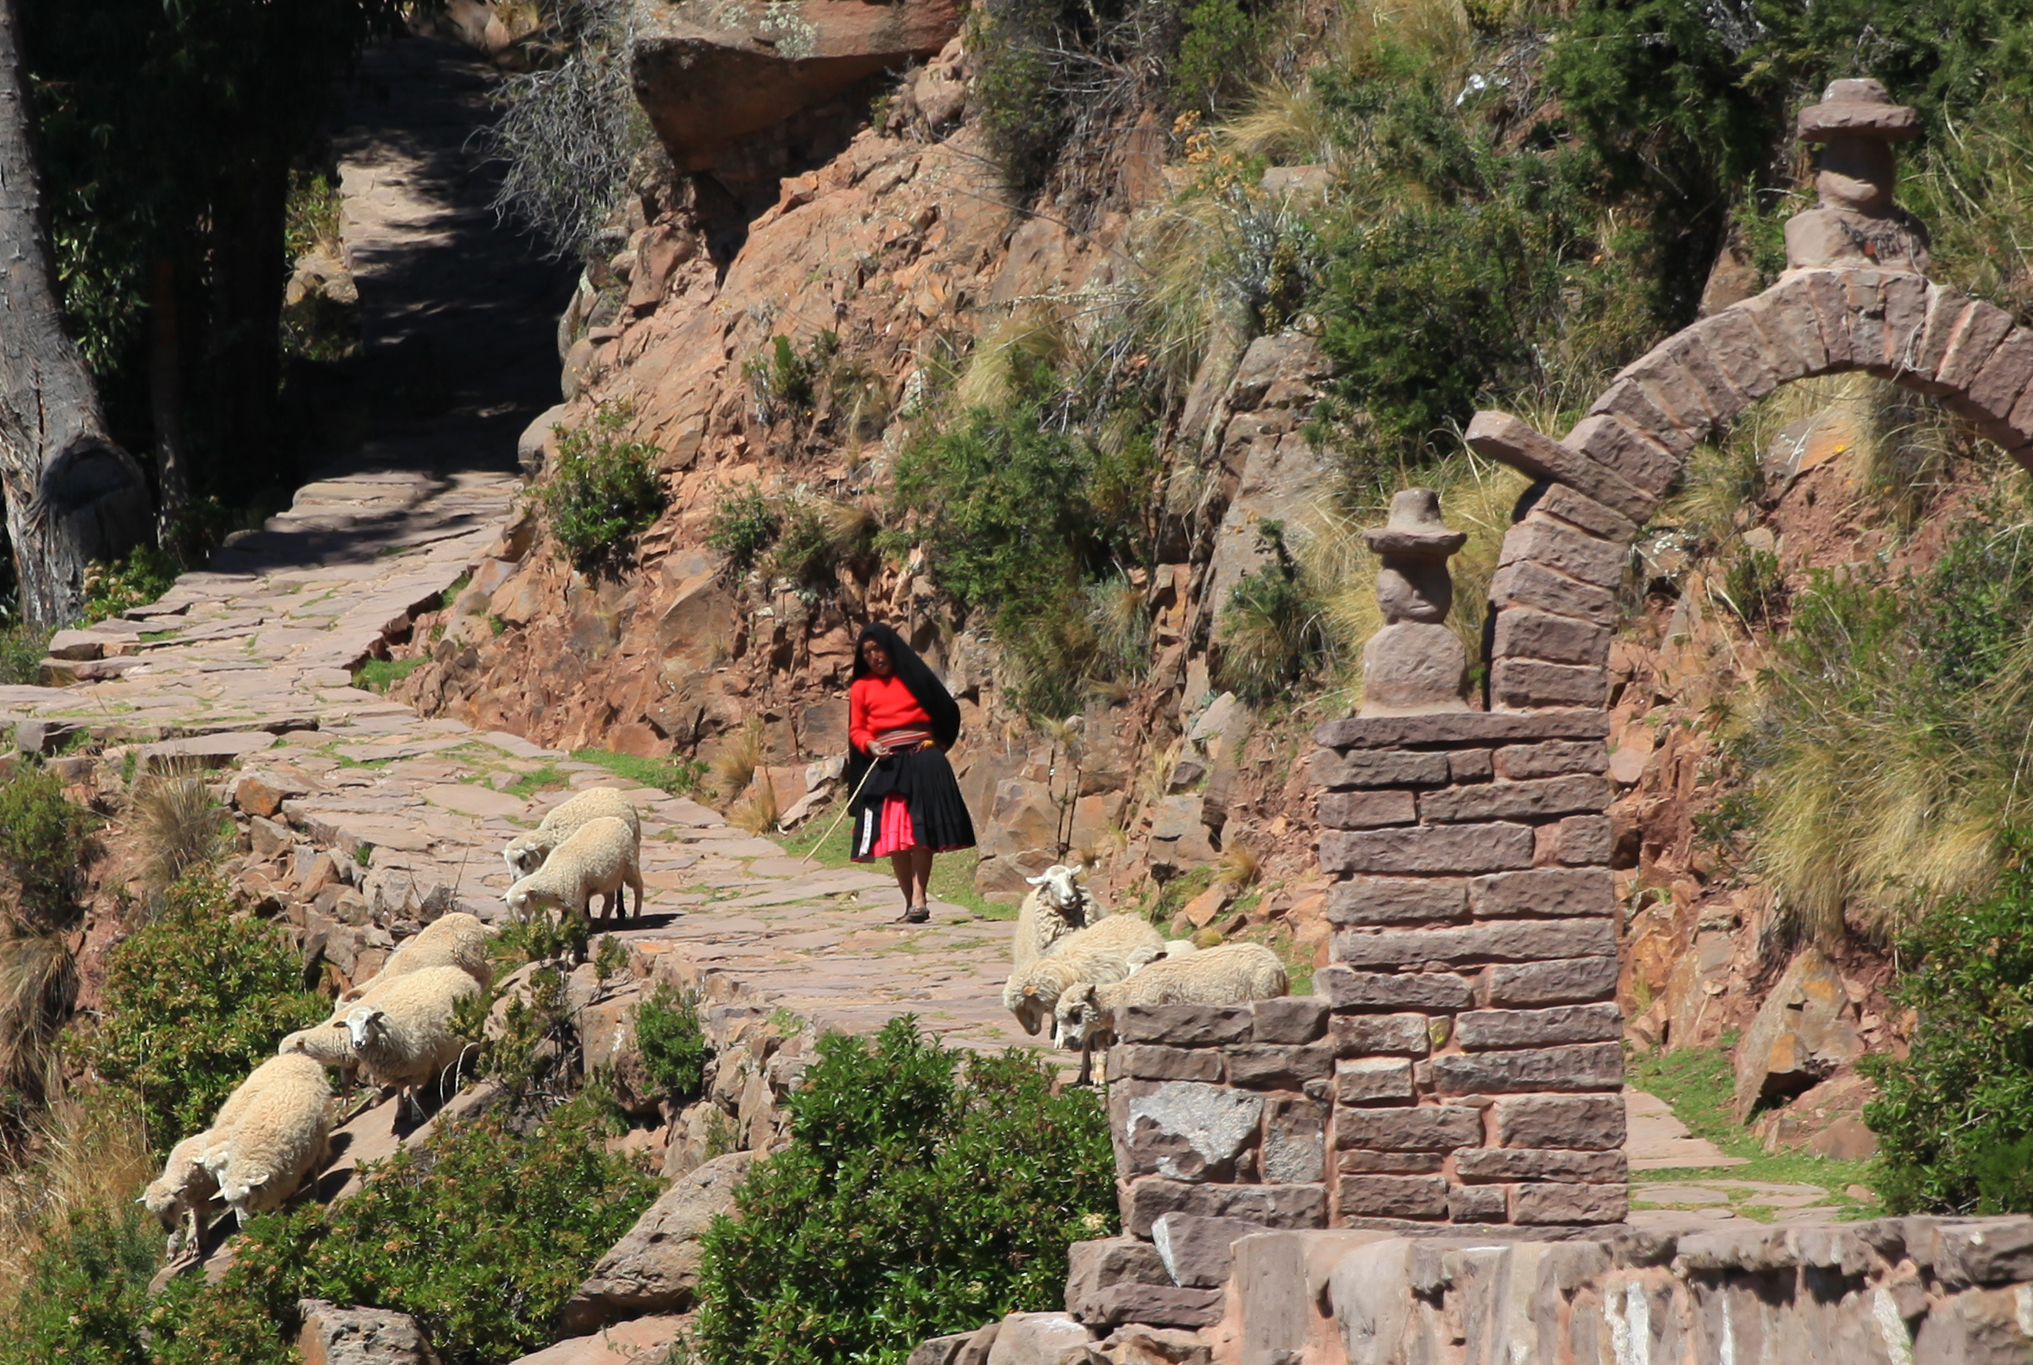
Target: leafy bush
[603,490]
[195,999]
[744,524]
[1273,631]
[534,1050]
[674,1047]
[85,1293]
[42,846]
[910,1203]
[22,648]
[1954,1118]
[1218,45]
[481,1236]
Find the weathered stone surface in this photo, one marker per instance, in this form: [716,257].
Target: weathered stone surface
[1543,1204]
[1197,1251]
[939,1350]
[2004,376]
[1428,849]
[1264,1066]
[1645,449]
[335,1335]
[1576,1122]
[1803,1031]
[1291,1019]
[1378,768]
[1981,1252]
[655,1267]
[1358,1161]
[1531,683]
[1392,1196]
[1184,1025]
[1587,1066]
[1508,941]
[1397,900]
[1148,1061]
[1367,809]
[1506,439]
[1423,1128]
[1524,633]
[1556,758]
[1094,1266]
[1525,1163]
[1413,668]
[1477,1204]
[1577,841]
[1362,1035]
[1184,1130]
[1373,1080]
[1533,585]
[1469,765]
[1570,505]
[1294,1149]
[1392,991]
[1157,1305]
[1975,1327]
[259,793]
[641,1338]
[1459,728]
[1556,545]
[1040,1339]
[1149,1198]
[1575,980]
[1478,1030]
[1543,891]
[1532,799]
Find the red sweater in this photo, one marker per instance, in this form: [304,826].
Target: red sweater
[876,705]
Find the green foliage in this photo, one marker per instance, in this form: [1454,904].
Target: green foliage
[1272,628]
[1973,617]
[1218,46]
[481,1236]
[674,1047]
[1022,121]
[311,216]
[195,999]
[1754,584]
[785,382]
[1954,1118]
[534,1051]
[86,1292]
[743,526]
[675,775]
[22,649]
[42,847]
[142,577]
[910,1203]
[603,489]
[381,675]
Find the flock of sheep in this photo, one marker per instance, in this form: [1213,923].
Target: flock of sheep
[1073,962]
[394,1029]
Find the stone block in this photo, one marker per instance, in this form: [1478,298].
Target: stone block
[1865,317]
[1378,768]
[1827,297]
[1183,1130]
[1488,1164]
[2004,376]
[1394,991]
[1421,1128]
[1367,809]
[1469,765]
[1508,440]
[1285,1207]
[1426,849]
[1184,1025]
[1373,1080]
[1364,1035]
[1586,1066]
[1993,1251]
[654,1268]
[1543,891]
[1647,452]
[1531,584]
[1147,1061]
[1786,319]
[1509,941]
[1358,1161]
[1391,1196]
[1541,539]
[1804,1031]
[1040,1339]
[1397,900]
[1577,841]
[1101,1264]
[1477,1204]
[1291,1019]
[1459,729]
[1157,1305]
[1522,633]
[1199,1252]
[1554,758]
[1573,506]
[1593,1123]
[336,1335]
[1265,1066]
[1739,351]
[1983,329]
[1555,1204]
[1906,298]
[1533,799]
[979,1343]
[1294,1149]
[1532,683]
[939,1350]
[1576,980]
[1975,1327]
[1481,1030]
[263,793]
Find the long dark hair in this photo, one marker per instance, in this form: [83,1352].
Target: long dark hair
[916,676]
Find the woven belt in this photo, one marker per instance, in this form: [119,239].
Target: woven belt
[899,740]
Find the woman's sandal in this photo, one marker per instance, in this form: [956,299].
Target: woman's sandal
[915,914]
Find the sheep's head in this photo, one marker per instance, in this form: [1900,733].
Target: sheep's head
[161,1201]
[1062,885]
[365,1024]
[525,854]
[1030,1001]
[1074,1017]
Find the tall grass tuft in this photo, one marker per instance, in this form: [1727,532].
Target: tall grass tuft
[180,823]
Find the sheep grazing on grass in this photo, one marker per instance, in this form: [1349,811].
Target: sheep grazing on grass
[1056,906]
[455,940]
[179,1196]
[528,852]
[281,1119]
[402,1035]
[600,858]
[1232,974]
[1107,950]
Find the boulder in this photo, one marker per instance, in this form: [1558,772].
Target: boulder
[333,1335]
[533,447]
[1040,1339]
[707,73]
[1179,839]
[939,1350]
[1097,1266]
[642,1339]
[698,1135]
[1803,1032]
[655,1267]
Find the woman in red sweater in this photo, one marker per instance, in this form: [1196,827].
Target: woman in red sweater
[907,807]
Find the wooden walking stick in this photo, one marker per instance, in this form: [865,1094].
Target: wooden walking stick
[838,818]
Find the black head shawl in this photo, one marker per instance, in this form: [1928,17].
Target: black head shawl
[916,676]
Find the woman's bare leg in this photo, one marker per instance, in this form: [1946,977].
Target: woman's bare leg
[921,876]
[900,863]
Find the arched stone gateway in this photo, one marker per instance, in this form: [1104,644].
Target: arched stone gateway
[1466,1063]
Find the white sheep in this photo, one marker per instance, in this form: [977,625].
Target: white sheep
[1231,974]
[455,940]
[281,1121]
[1107,950]
[1056,906]
[178,1197]
[527,852]
[402,1035]
[601,857]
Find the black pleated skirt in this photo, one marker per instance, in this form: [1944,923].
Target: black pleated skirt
[923,782]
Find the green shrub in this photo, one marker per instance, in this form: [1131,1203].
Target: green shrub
[1218,47]
[1954,1118]
[135,581]
[603,490]
[675,775]
[674,1047]
[42,846]
[784,382]
[535,1049]
[1022,121]
[195,999]
[1273,632]
[910,1203]
[22,649]
[85,1292]
[481,1236]
[744,524]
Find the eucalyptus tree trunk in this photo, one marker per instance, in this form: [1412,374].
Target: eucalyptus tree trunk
[73,496]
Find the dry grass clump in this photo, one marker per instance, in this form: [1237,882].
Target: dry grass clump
[733,767]
[85,1151]
[180,824]
[757,811]
[1239,866]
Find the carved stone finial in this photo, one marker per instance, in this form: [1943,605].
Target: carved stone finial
[1855,223]
[1414,665]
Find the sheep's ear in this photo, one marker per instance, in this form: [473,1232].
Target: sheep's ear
[1030,992]
[1077,869]
[1037,881]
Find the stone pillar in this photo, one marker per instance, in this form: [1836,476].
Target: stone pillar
[1415,665]
[1854,223]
